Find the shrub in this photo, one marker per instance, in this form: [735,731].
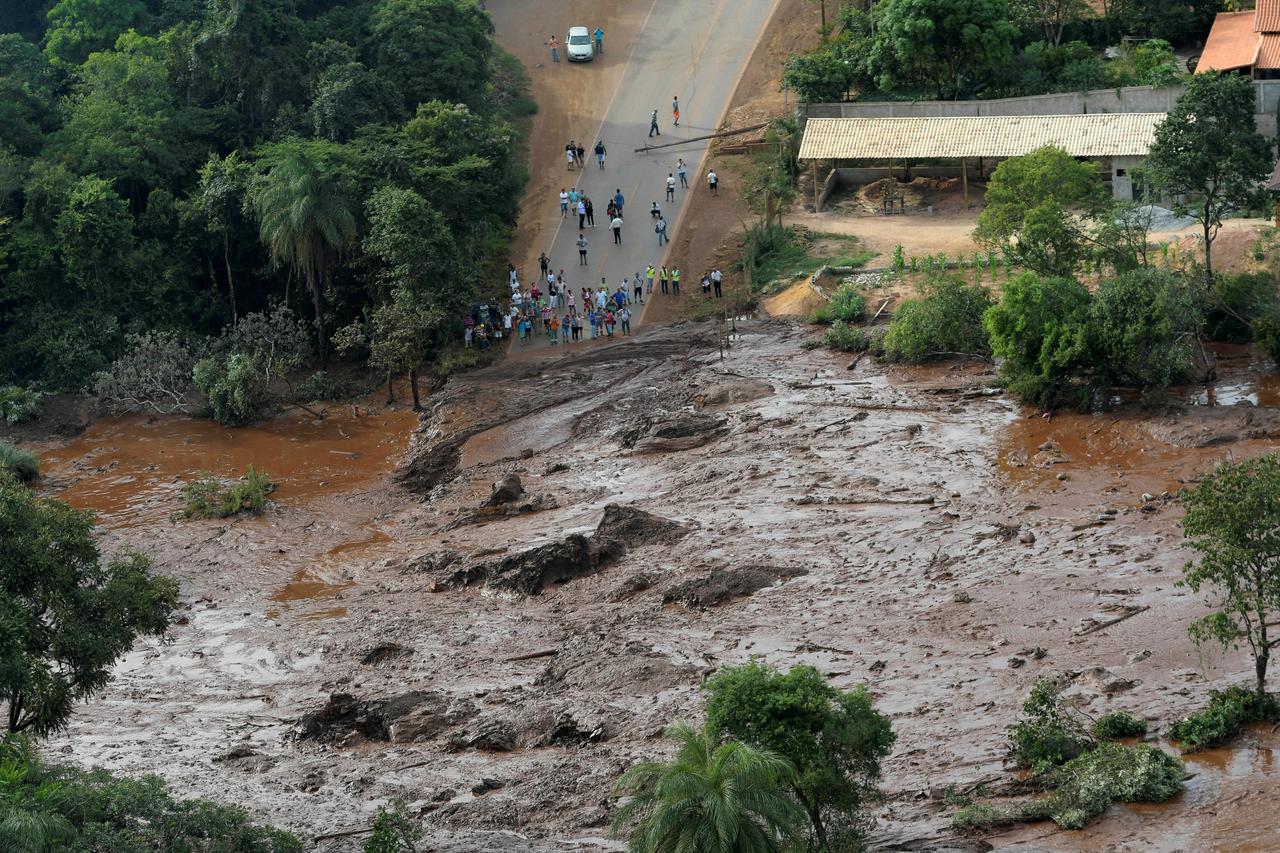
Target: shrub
[322,385]
[1236,302]
[22,464]
[848,305]
[236,391]
[209,497]
[1039,330]
[154,373]
[1047,733]
[1227,713]
[822,315]
[1144,325]
[946,320]
[1266,332]
[846,338]
[18,404]
[1117,725]
[393,832]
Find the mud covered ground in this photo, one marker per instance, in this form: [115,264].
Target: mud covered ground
[495,660]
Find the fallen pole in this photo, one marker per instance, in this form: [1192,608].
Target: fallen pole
[733,132]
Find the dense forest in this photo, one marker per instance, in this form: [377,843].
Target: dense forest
[171,167]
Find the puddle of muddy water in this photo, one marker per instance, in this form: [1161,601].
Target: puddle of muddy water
[303,588]
[131,469]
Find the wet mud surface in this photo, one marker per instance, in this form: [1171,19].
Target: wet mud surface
[903,528]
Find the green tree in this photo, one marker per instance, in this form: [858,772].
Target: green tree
[834,739]
[79,27]
[1208,154]
[1155,63]
[945,321]
[947,47]
[1233,520]
[305,220]
[433,50]
[1038,209]
[1143,326]
[1040,332]
[396,335]
[66,616]
[1050,17]
[393,832]
[712,798]
[220,199]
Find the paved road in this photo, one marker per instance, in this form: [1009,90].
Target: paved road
[696,49]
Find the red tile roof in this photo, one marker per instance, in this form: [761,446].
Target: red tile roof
[1268,51]
[1267,17]
[1232,43]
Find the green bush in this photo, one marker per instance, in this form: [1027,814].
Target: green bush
[48,807]
[1266,332]
[1227,713]
[1048,733]
[1236,302]
[236,391]
[1085,786]
[322,385]
[22,464]
[848,305]
[822,315]
[209,497]
[1144,326]
[946,320]
[18,404]
[846,338]
[1117,725]
[393,832]
[1039,330]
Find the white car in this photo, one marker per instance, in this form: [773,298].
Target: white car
[577,45]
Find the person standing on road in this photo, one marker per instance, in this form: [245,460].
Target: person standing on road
[581,151]
[616,225]
[599,34]
[675,281]
[675,109]
[600,150]
[568,159]
[713,182]
[671,187]
[683,171]
[624,317]
[591,212]
[582,251]
[555,49]
[544,263]
[649,273]
[660,228]
[618,200]
[653,124]
[637,284]
[582,214]
[716,278]
[663,276]
[564,202]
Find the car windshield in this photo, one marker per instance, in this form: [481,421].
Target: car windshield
[579,40]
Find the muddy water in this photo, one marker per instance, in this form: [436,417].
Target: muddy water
[131,469]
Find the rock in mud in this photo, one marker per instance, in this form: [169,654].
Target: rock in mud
[675,431]
[506,491]
[733,391]
[633,668]
[723,585]
[345,719]
[383,652]
[638,582]
[636,528]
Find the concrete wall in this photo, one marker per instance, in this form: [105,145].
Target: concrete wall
[1129,99]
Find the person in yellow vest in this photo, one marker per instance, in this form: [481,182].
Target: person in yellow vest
[675,281]
[649,273]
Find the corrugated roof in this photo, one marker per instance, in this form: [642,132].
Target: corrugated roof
[1232,43]
[1267,17]
[1092,135]
[1268,51]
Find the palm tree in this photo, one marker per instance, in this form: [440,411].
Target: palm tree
[713,798]
[305,220]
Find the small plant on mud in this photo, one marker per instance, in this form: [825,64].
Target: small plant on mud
[1227,713]
[22,464]
[1117,725]
[209,497]
[393,832]
[848,305]
[846,338]
[822,315]
[945,321]
[899,260]
[1048,733]
[18,404]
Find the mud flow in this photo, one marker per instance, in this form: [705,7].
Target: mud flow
[490,618]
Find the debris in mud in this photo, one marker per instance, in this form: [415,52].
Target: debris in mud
[723,585]
[637,583]
[665,433]
[507,490]
[529,572]
[383,652]
[730,392]
[345,720]
[631,668]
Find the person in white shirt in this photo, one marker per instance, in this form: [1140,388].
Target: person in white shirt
[616,225]
[671,187]
[564,202]
[716,279]
[713,182]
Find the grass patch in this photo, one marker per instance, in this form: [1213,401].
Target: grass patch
[846,338]
[18,404]
[1117,725]
[780,255]
[1227,713]
[461,359]
[209,497]
[22,464]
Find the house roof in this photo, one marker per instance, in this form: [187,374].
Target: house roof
[1232,43]
[1267,17]
[1268,51]
[1090,135]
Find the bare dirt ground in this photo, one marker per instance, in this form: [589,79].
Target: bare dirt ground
[495,667]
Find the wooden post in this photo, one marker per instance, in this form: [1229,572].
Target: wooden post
[964,180]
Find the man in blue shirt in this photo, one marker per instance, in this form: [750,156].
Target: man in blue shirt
[617,200]
[599,34]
